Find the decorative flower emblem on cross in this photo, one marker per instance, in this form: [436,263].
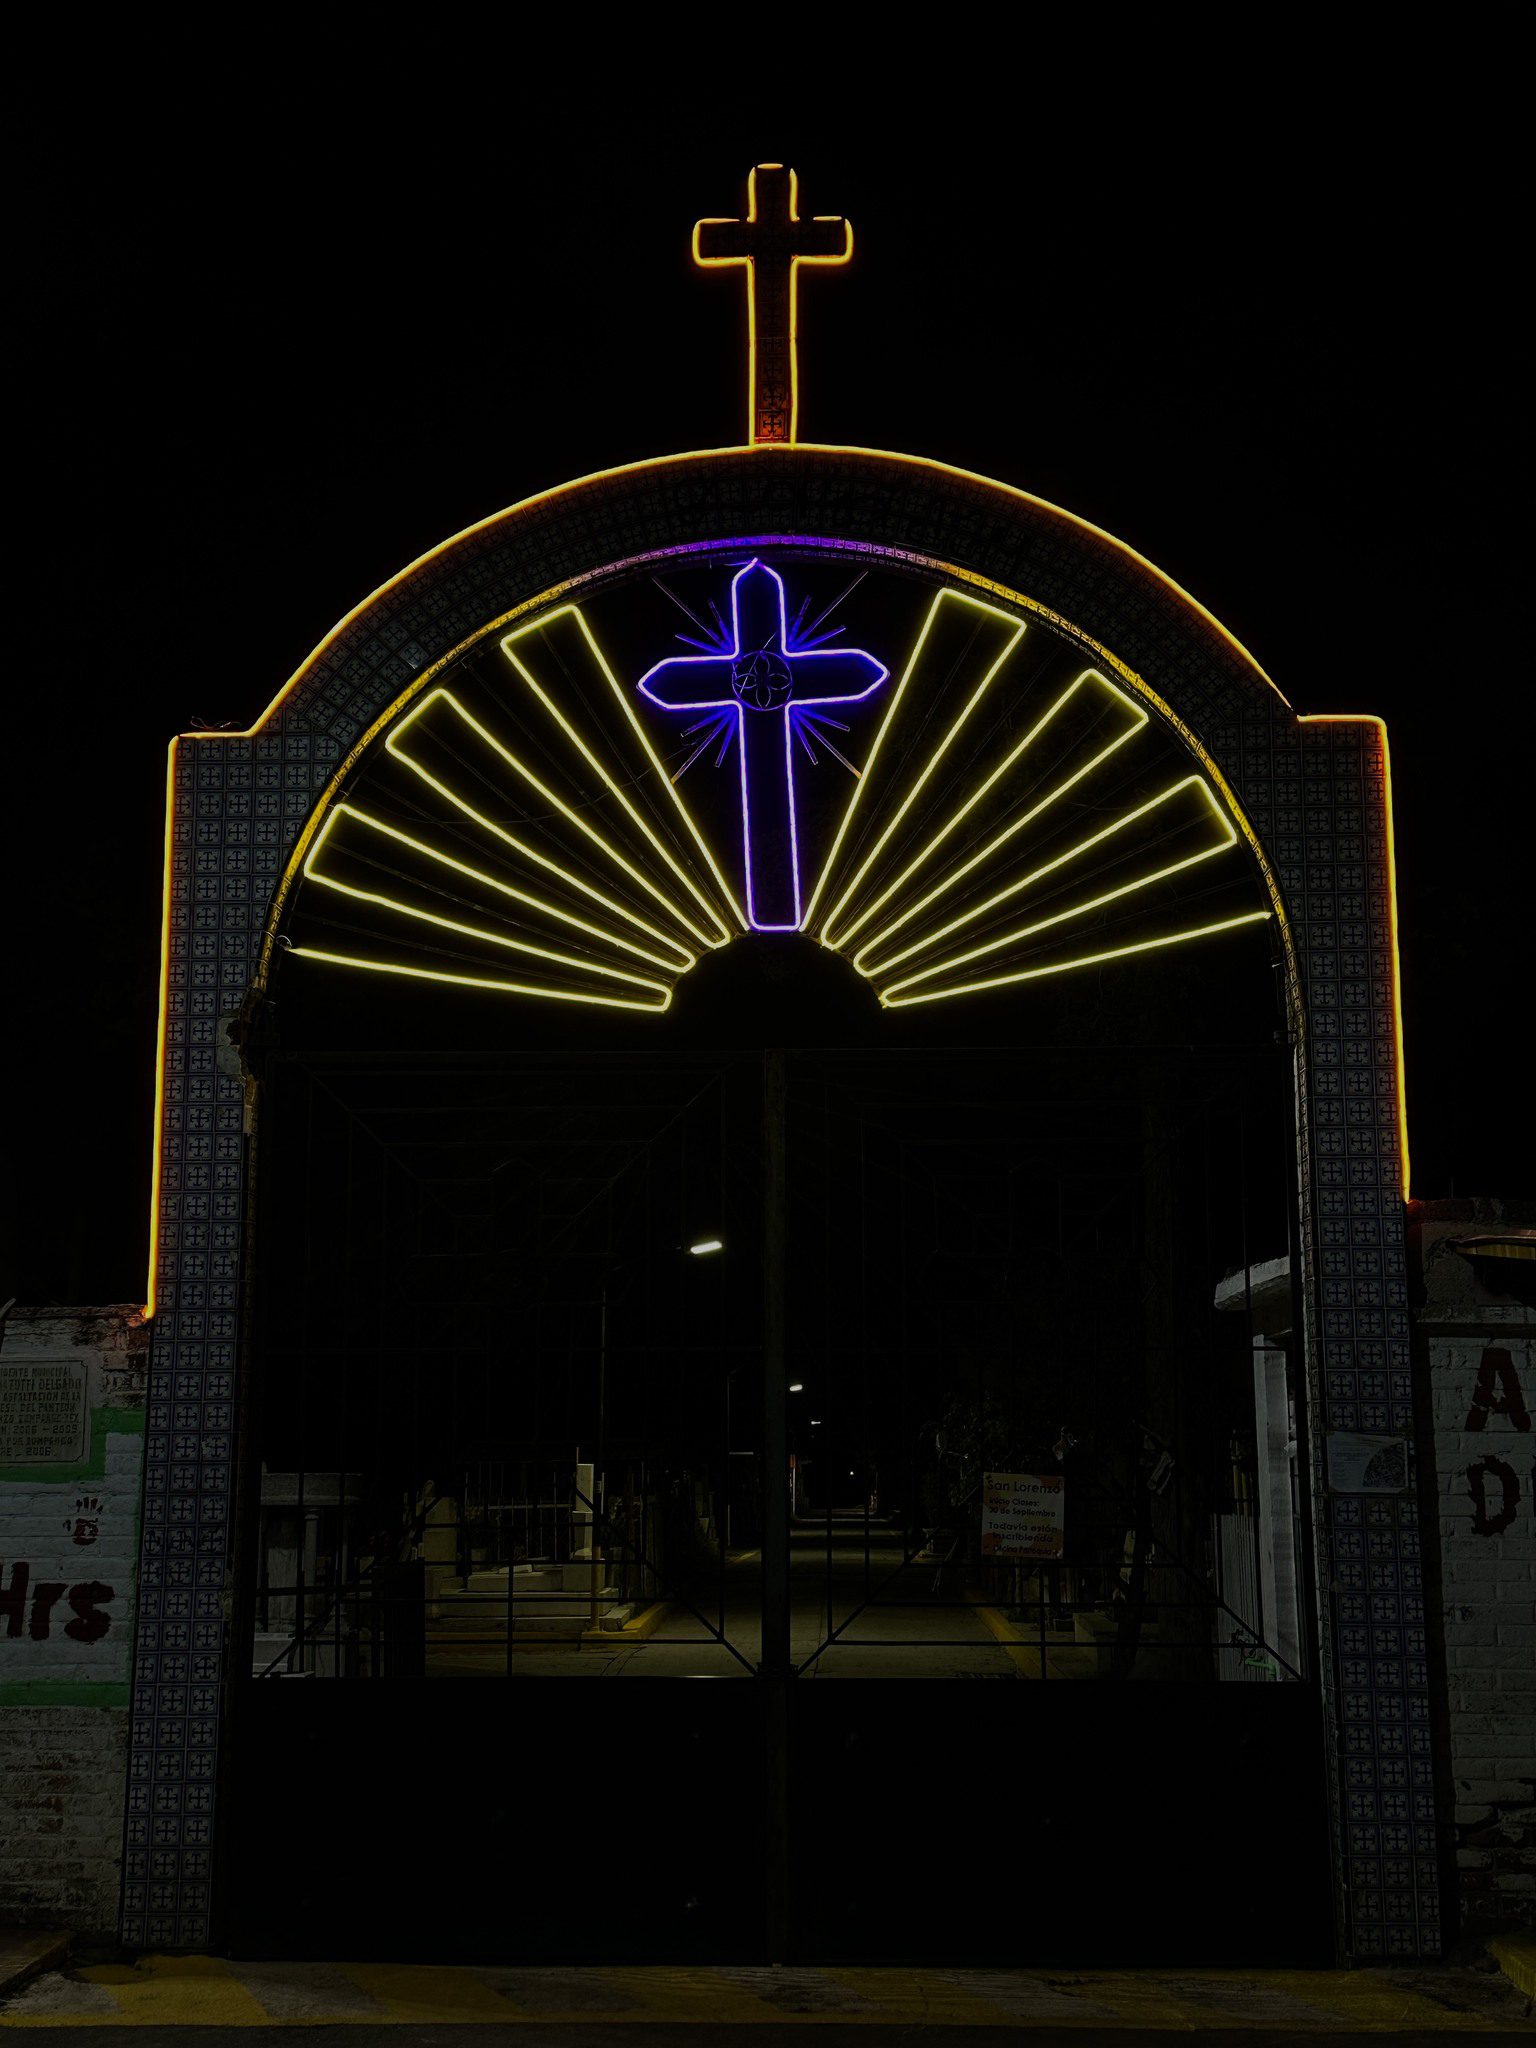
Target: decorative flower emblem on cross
[769,690]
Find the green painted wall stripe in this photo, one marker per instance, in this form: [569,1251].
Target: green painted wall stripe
[65,1692]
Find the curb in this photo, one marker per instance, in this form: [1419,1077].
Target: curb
[639,1630]
[1515,1955]
[26,1952]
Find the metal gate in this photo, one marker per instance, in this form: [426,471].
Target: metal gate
[696,1366]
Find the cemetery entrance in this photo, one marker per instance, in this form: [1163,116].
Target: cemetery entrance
[1077,946]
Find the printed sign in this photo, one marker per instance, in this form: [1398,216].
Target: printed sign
[43,1417]
[1366,1464]
[1022,1514]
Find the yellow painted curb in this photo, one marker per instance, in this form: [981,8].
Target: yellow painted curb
[1515,1955]
[636,1631]
[1022,1651]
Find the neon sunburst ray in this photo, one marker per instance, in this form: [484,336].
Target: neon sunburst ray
[524,837]
[1001,813]
[1009,827]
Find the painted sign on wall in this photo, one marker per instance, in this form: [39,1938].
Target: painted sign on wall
[71,1451]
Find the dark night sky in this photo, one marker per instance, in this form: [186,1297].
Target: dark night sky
[279,345]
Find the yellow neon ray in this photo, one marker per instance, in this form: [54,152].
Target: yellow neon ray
[393,745]
[621,698]
[1138,720]
[999,839]
[473,931]
[891,1000]
[459,867]
[891,709]
[827,935]
[574,817]
[1029,931]
[506,988]
[1115,825]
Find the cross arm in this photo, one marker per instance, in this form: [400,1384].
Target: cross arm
[724,241]
[689,682]
[836,675]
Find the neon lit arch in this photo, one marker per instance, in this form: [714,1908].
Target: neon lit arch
[1310,800]
[785,458]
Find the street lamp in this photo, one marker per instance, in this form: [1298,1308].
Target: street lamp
[705,1245]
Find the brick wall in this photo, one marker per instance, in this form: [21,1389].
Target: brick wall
[1476,1325]
[71,1457]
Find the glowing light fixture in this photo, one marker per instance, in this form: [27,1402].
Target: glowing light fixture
[706,1245]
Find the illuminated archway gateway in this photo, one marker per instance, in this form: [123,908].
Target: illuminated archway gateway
[619,802]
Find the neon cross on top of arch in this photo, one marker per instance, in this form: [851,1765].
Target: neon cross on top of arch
[769,688]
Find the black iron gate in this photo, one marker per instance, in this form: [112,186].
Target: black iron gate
[696,1367]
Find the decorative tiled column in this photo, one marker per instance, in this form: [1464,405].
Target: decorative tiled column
[1336,867]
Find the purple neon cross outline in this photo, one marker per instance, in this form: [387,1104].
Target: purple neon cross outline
[759,678]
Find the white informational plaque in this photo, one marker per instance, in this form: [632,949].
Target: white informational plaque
[43,1418]
[1022,1514]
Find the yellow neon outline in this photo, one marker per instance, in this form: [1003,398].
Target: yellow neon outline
[469,931]
[575,881]
[1026,881]
[621,697]
[475,874]
[509,988]
[1370,718]
[1042,924]
[162,1026]
[730,262]
[939,995]
[987,610]
[1138,724]
[840,449]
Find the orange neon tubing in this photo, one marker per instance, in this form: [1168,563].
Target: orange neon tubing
[730,262]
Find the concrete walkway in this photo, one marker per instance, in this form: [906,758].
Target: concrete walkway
[868,1610]
[599,2005]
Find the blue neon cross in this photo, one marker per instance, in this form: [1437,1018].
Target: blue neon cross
[767,682]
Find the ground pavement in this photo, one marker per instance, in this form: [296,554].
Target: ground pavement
[202,1999]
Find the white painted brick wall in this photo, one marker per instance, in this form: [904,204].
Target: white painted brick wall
[63,1674]
[1488,1572]
[62,1771]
